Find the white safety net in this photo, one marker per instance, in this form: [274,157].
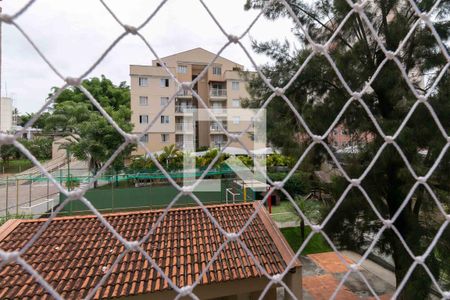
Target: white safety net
[279,92]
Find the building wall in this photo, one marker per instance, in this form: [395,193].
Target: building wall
[246,289]
[340,138]
[6,115]
[194,61]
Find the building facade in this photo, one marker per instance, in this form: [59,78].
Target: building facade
[222,87]
[6,114]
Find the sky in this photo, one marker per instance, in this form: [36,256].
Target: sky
[74,34]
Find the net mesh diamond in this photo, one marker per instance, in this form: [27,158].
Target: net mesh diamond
[356,96]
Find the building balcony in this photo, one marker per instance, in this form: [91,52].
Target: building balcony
[184,94]
[185,109]
[219,93]
[216,128]
[218,144]
[218,110]
[184,127]
[184,145]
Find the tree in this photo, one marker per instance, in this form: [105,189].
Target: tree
[205,160]
[311,209]
[40,122]
[102,89]
[318,94]
[171,158]
[40,147]
[8,152]
[90,136]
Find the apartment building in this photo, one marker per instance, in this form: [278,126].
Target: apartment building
[183,122]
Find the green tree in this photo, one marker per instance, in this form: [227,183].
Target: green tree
[39,123]
[40,147]
[103,89]
[171,158]
[311,209]
[67,116]
[8,152]
[318,94]
[205,160]
[141,164]
[91,137]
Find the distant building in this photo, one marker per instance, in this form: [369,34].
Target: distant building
[340,137]
[6,114]
[222,87]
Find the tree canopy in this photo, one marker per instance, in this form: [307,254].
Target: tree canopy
[319,95]
[92,138]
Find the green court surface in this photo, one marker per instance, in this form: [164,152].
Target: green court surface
[110,198]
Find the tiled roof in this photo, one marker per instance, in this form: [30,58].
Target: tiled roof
[73,253]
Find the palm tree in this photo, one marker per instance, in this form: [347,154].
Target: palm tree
[168,153]
[310,208]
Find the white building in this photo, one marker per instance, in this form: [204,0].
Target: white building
[6,114]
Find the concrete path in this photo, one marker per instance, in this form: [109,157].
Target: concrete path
[23,192]
[322,273]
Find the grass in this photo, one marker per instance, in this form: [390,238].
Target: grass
[316,245]
[285,217]
[284,212]
[284,206]
[3,219]
[15,166]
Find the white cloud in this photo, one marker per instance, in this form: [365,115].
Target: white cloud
[73,34]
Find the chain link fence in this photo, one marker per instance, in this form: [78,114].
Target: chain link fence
[317,49]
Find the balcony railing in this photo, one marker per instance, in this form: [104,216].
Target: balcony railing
[216,128]
[184,144]
[218,144]
[184,127]
[218,92]
[185,109]
[184,93]
[218,110]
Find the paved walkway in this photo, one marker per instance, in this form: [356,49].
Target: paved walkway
[25,192]
[322,273]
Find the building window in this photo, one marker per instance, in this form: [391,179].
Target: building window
[236,120]
[217,70]
[143,100]
[235,85]
[236,103]
[143,119]
[164,82]
[143,81]
[164,137]
[144,138]
[164,101]
[182,69]
[164,119]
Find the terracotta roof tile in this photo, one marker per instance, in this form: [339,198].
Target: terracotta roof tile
[74,253]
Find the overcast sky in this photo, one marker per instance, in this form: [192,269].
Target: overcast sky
[73,34]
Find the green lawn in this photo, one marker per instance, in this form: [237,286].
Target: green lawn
[3,219]
[15,166]
[316,245]
[284,212]
[284,206]
[285,217]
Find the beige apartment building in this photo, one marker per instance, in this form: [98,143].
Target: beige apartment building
[182,123]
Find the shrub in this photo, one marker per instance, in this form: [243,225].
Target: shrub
[298,184]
